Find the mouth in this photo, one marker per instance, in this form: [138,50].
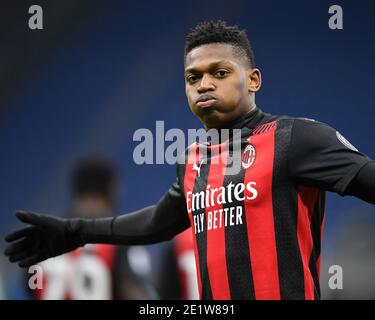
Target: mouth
[206,101]
[206,104]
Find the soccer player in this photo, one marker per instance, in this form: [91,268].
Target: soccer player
[257,232]
[95,271]
[175,276]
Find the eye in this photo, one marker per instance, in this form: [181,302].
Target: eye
[192,78]
[221,73]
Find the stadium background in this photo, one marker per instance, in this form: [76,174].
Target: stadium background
[100,70]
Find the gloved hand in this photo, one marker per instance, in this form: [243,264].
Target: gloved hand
[45,237]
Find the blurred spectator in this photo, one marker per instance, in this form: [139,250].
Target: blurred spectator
[174,269]
[95,271]
[187,272]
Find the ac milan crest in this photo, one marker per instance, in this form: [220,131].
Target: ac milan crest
[248,156]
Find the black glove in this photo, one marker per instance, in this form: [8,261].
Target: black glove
[45,237]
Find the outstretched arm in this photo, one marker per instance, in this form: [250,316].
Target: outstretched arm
[153,224]
[320,156]
[48,236]
[363,185]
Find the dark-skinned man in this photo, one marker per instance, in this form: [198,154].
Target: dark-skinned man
[256,232]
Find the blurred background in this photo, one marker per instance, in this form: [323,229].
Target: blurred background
[99,70]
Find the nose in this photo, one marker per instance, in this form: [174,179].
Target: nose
[206,84]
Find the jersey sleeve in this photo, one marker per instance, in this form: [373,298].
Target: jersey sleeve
[156,223]
[174,202]
[320,156]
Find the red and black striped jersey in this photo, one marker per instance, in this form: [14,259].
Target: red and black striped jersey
[257,233]
[92,272]
[85,273]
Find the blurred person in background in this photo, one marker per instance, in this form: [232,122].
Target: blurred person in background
[174,269]
[186,266]
[168,266]
[95,271]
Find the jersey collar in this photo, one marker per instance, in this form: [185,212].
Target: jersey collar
[249,120]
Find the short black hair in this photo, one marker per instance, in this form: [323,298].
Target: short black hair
[219,32]
[94,176]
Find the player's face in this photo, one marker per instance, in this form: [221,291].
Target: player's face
[219,84]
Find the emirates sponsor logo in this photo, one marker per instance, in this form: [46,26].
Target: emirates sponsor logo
[169,146]
[219,217]
[219,196]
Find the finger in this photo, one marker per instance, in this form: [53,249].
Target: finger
[20,256]
[18,246]
[20,233]
[28,217]
[29,261]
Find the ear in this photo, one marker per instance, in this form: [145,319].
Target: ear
[255,80]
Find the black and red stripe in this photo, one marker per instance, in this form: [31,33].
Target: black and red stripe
[274,253]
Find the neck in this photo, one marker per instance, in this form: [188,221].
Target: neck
[237,121]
